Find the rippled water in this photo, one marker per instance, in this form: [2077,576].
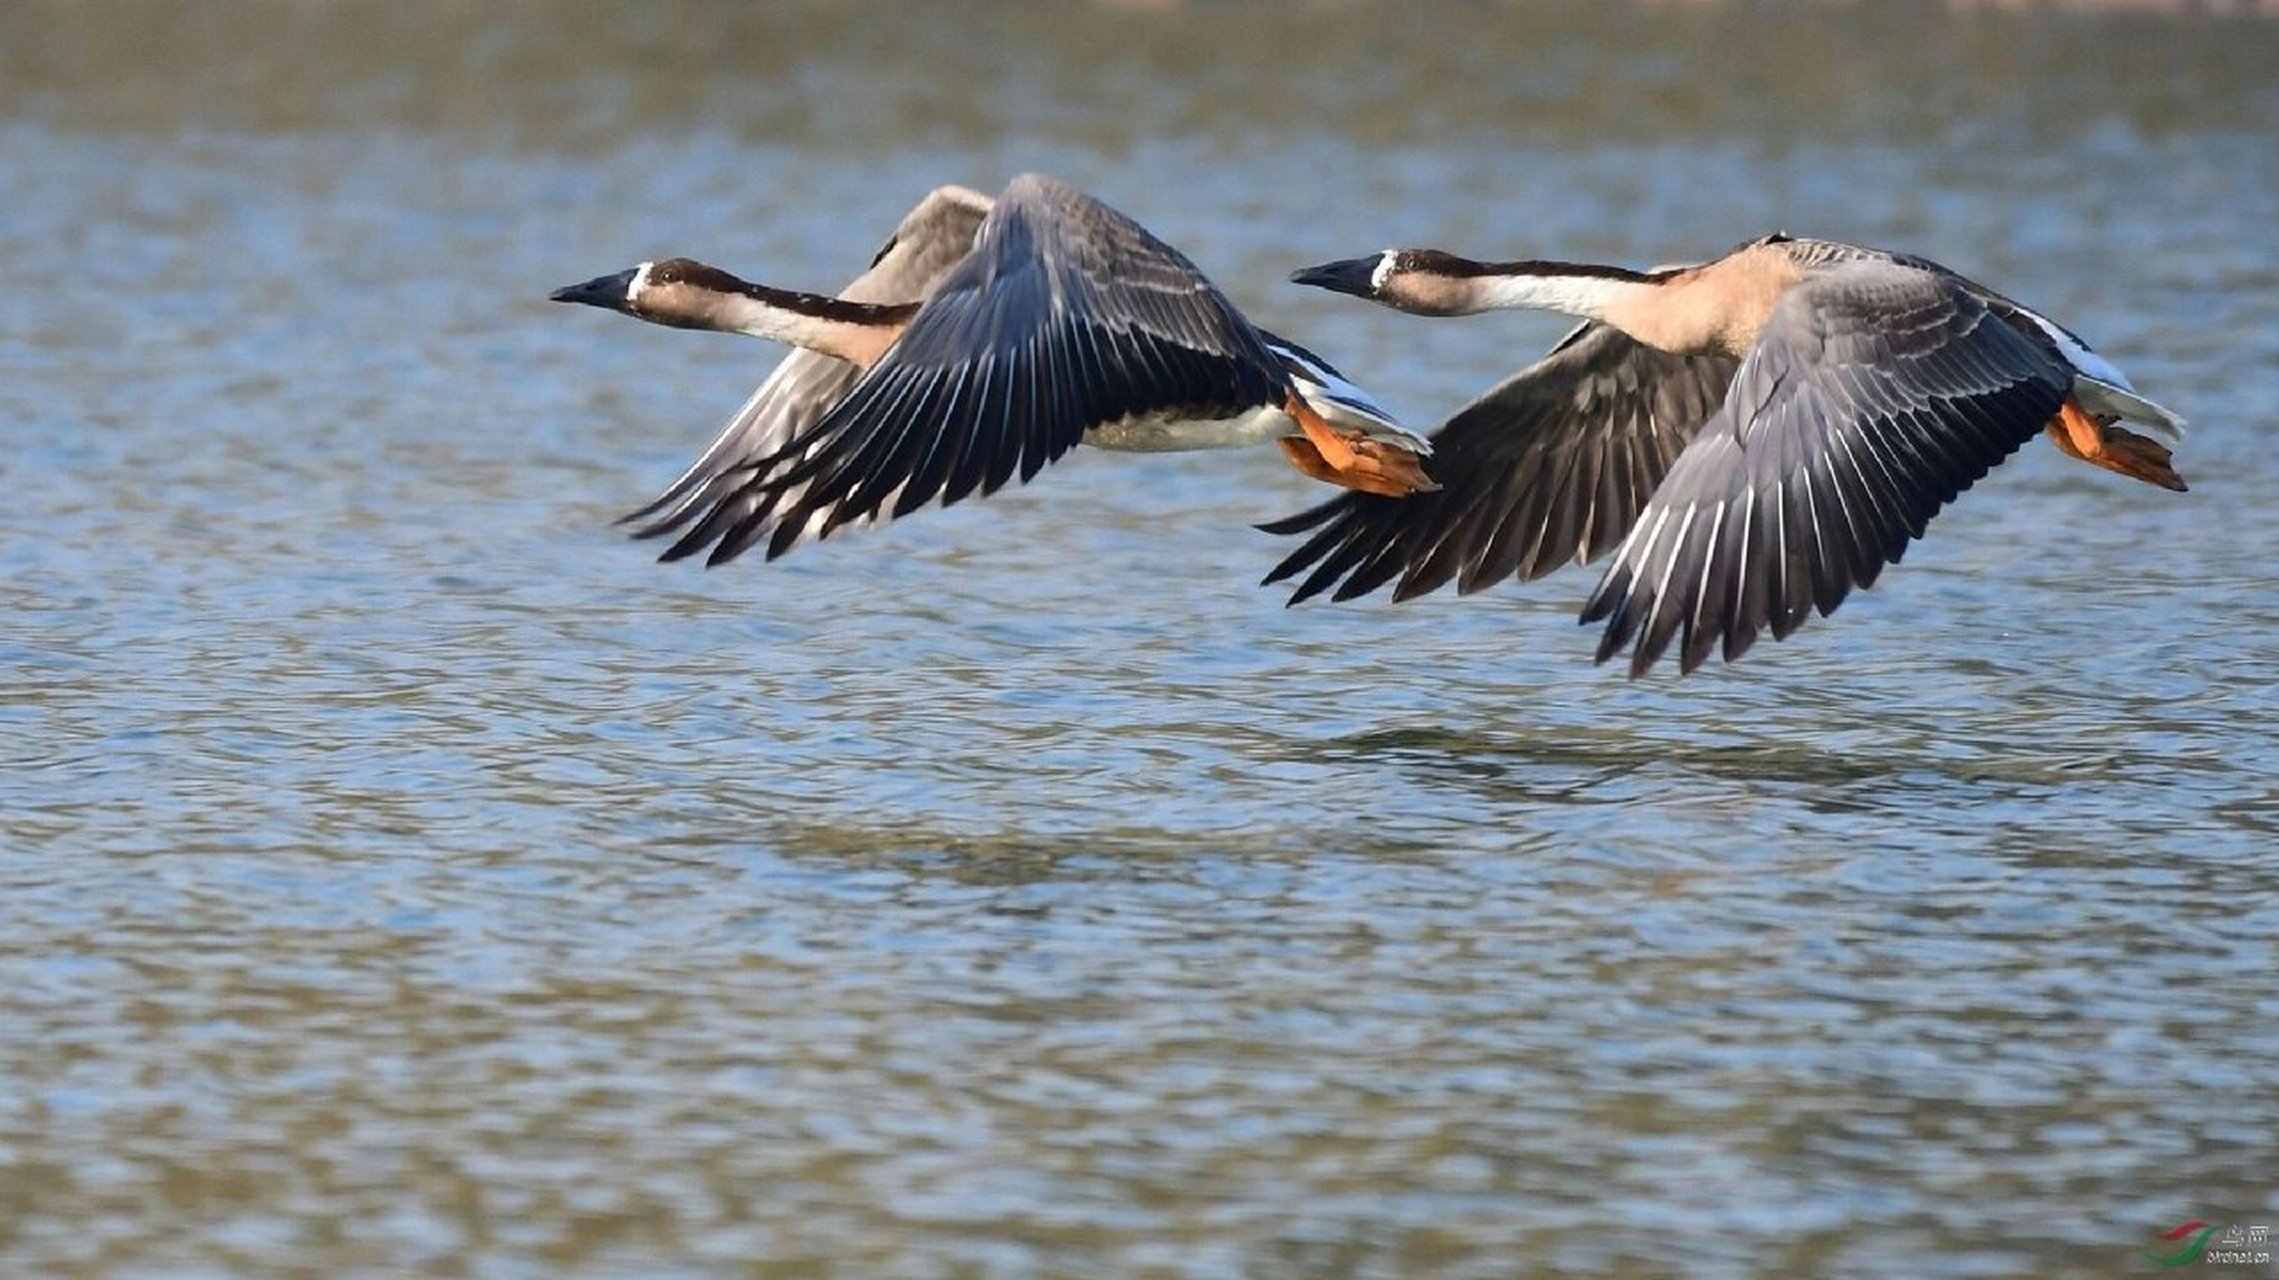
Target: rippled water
[405,876]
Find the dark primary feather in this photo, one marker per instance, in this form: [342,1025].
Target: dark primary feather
[1064,316]
[806,385]
[1549,466]
[1877,392]
[793,398]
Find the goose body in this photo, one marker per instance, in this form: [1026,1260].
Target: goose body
[1750,437]
[987,338]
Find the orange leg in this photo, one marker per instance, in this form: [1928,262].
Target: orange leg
[1350,458]
[2113,447]
[1306,458]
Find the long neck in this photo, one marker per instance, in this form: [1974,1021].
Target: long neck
[858,332]
[1593,293]
[1662,309]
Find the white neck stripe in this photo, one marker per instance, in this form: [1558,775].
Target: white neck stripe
[1585,296]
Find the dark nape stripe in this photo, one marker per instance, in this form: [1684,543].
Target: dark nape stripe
[1590,270]
[712,279]
[828,308]
[1451,265]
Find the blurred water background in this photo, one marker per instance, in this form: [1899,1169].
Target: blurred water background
[400,874]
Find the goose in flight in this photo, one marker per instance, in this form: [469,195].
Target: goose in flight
[988,338]
[1751,437]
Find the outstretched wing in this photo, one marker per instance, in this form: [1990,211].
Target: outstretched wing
[714,492]
[1550,465]
[1877,392]
[1066,315]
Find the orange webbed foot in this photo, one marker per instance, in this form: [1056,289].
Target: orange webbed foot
[1351,458]
[2113,447]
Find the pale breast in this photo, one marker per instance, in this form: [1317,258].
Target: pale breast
[1172,433]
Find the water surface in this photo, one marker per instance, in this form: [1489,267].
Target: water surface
[403,875]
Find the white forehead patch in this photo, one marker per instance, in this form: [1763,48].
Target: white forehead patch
[1384,269]
[640,281]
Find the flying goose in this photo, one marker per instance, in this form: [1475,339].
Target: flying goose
[987,339]
[1751,437]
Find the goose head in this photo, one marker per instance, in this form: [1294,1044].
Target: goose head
[680,292]
[1425,282]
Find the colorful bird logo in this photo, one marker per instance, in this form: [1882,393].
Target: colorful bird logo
[2194,1234]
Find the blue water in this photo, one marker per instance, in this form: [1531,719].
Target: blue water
[403,875]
